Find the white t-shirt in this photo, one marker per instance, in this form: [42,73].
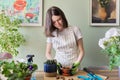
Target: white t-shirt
[65,45]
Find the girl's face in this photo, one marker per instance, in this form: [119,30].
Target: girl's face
[57,22]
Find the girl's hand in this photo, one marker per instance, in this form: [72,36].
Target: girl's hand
[74,68]
[59,68]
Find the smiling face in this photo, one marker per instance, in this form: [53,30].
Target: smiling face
[57,22]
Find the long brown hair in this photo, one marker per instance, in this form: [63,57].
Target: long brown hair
[49,27]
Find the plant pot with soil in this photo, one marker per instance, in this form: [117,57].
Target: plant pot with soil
[50,68]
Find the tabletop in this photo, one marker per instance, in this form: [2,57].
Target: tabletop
[105,74]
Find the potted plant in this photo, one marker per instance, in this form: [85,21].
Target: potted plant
[111,46]
[66,71]
[17,70]
[10,36]
[50,68]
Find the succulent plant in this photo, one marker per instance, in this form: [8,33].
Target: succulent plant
[50,62]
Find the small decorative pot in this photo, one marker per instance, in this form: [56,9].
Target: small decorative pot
[50,70]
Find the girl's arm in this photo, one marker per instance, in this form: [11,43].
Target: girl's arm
[48,51]
[81,50]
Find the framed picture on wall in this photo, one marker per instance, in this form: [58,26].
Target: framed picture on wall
[29,11]
[104,12]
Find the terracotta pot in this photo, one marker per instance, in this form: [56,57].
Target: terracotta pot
[28,78]
[66,71]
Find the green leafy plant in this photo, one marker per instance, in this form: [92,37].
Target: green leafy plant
[111,46]
[16,70]
[10,37]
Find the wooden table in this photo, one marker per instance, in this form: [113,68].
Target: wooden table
[111,75]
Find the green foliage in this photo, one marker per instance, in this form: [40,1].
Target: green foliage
[16,70]
[113,51]
[10,37]
[50,62]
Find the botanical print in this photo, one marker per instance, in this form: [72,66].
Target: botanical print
[26,10]
[104,11]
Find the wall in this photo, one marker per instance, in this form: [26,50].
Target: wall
[77,13]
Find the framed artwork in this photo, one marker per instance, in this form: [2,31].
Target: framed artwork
[29,11]
[104,12]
